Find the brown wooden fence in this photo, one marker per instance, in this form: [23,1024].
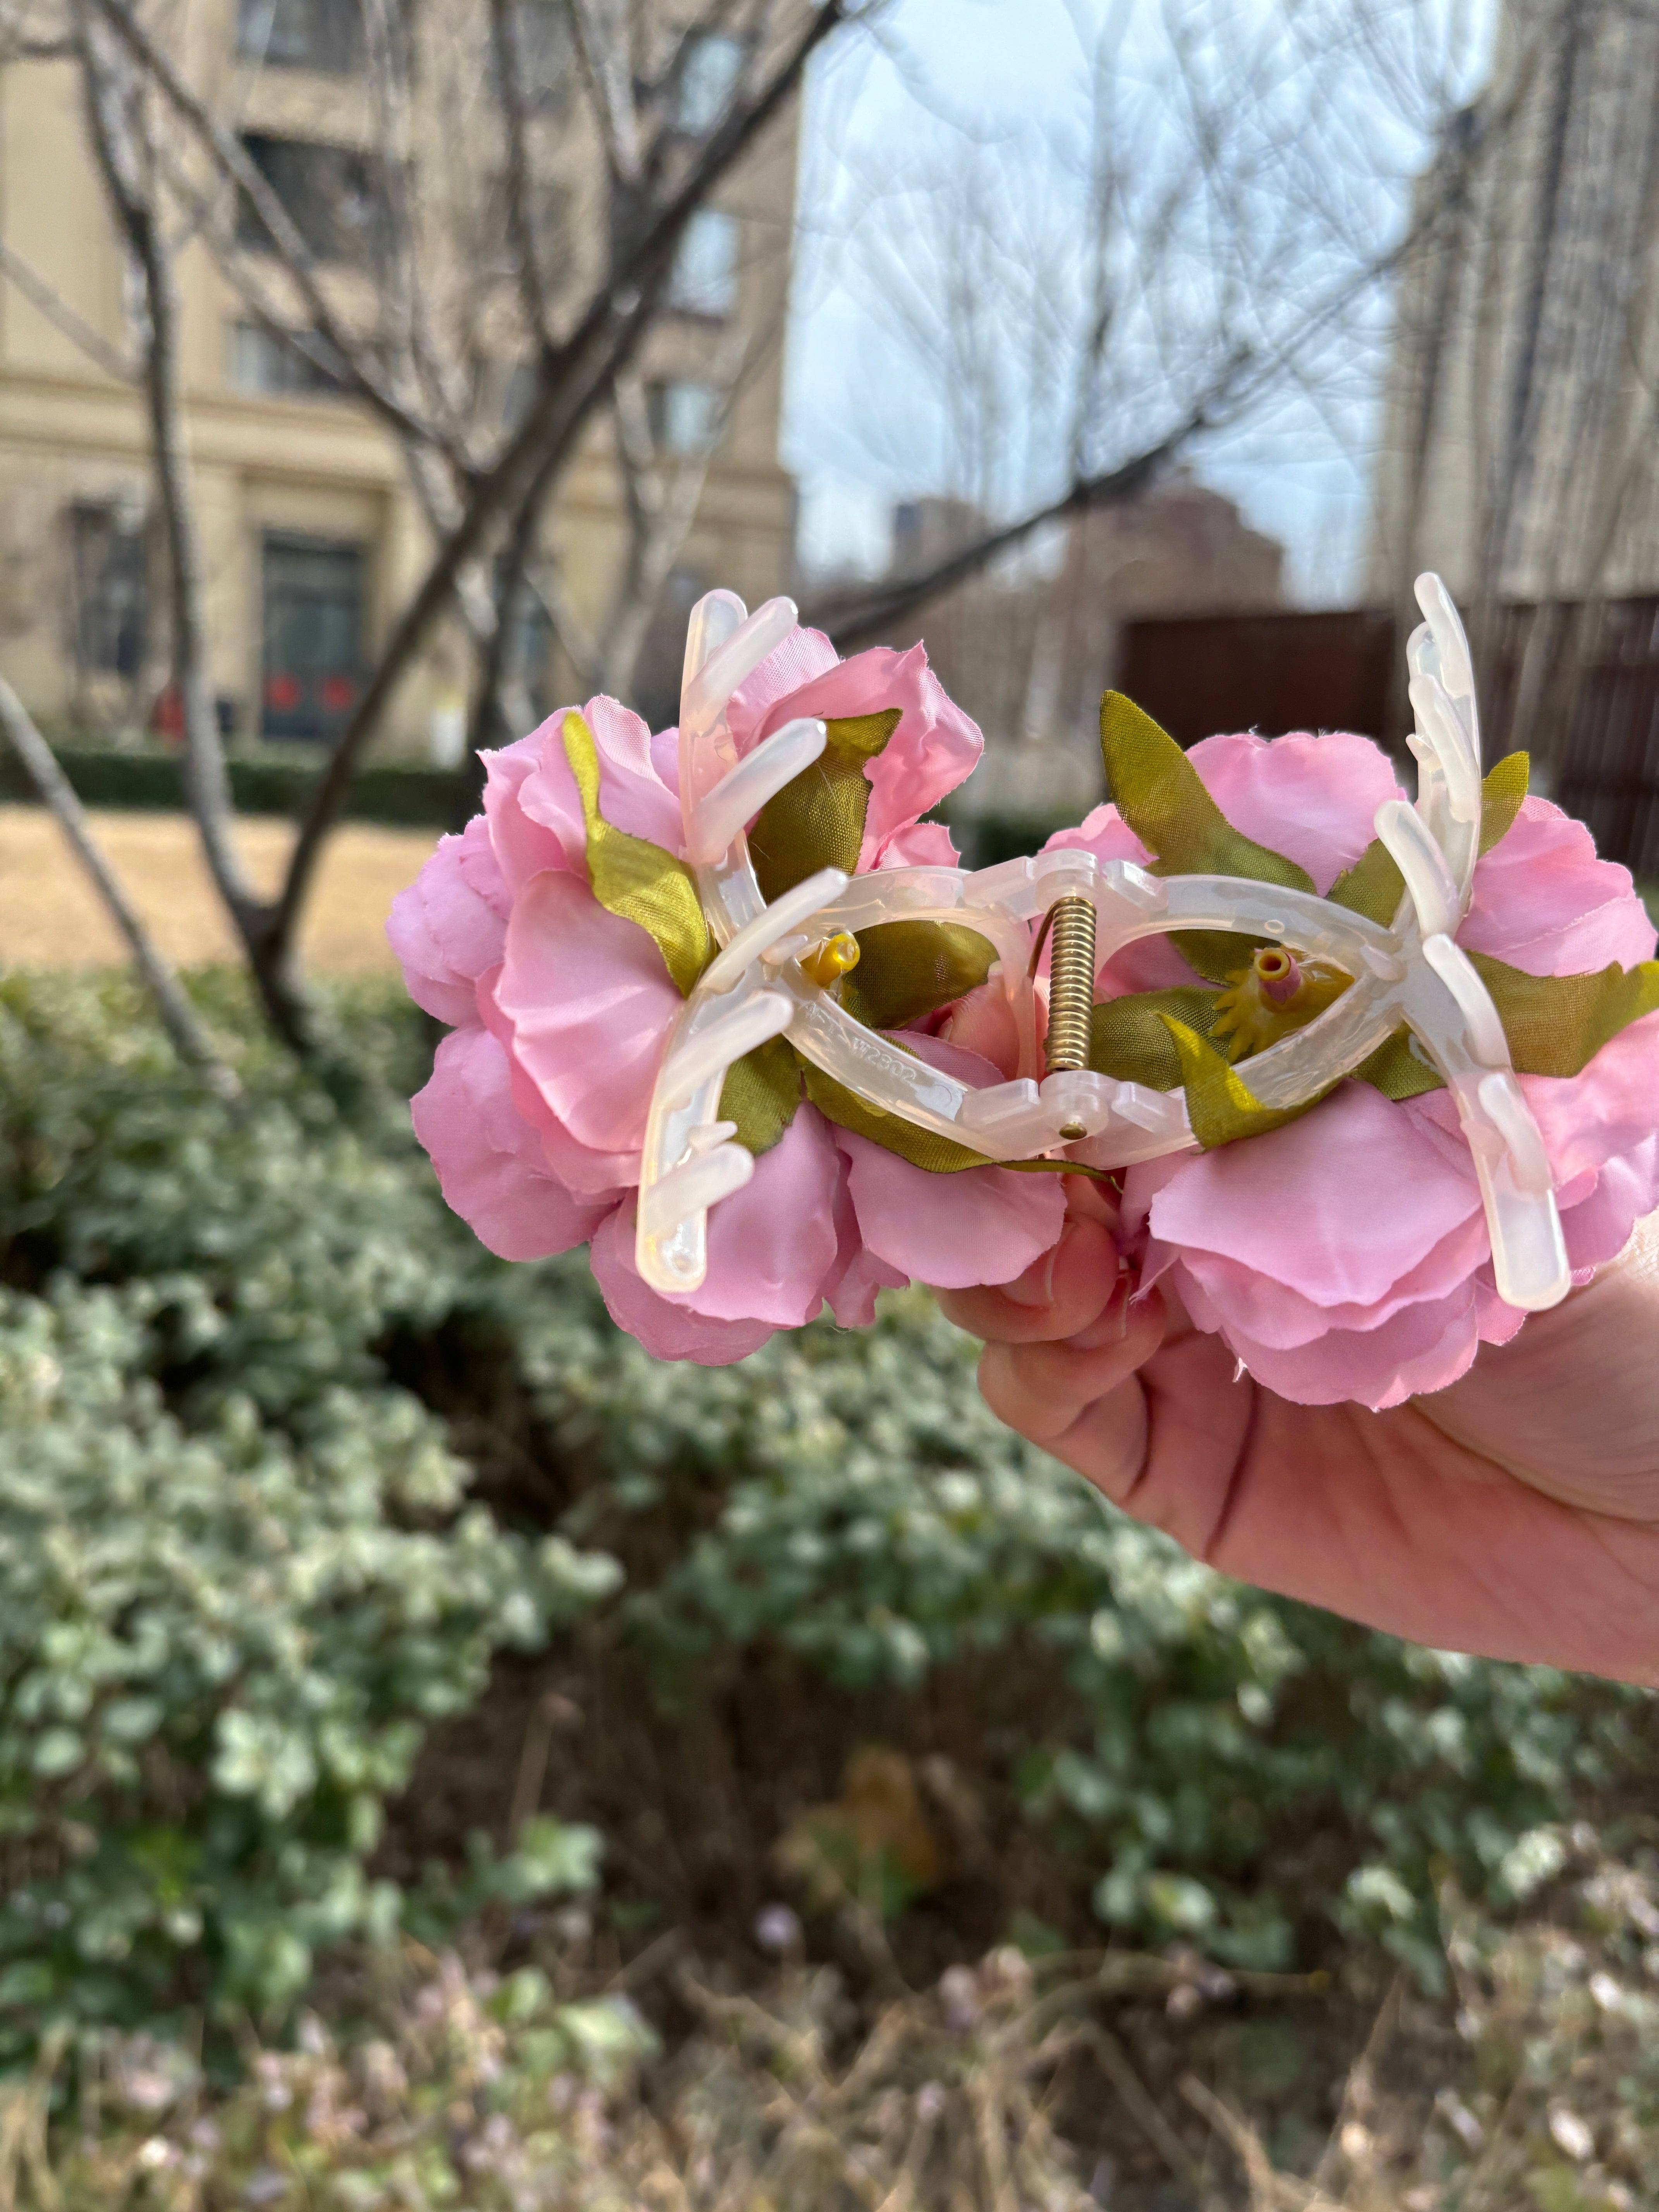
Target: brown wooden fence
[1593,683]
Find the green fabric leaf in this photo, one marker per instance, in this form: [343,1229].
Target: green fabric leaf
[1159,794]
[1374,886]
[1164,802]
[906,968]
[910,968]
[1130,1040]
[1556,1025]
[1501,795]
[1220,1107]
[817,821]
[1396,1070]
[761,1093]
[635,879]
[920,1146]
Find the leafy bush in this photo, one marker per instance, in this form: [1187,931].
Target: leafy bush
[240,1580]
[1228,1763]
[405,795]
[239,1577]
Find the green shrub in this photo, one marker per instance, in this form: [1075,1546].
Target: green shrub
[239,1581]
[239,1577]
[1229,1764]
[396,793]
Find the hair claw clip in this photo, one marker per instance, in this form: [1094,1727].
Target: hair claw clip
[775,972]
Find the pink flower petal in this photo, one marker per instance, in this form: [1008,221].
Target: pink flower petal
[933,747]
[667,1330]
[1423,1347]
[1272,1313]
[1626,1190]
[590,1006]
[984,1226]
[444,934]
[547,833]
[1543,902]
[857,1274]
[804,655]
[1337,1205]
[633,794]
[480,870]
[488,1160]
[1585,1120]
[591,1174]
[1105,834]
[1314,800]
[918,845]
[773,1245]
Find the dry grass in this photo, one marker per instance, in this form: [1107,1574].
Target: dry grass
[1013,2087]
[49,917]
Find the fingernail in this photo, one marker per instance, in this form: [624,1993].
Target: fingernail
[1110,1326]
[1036,1287]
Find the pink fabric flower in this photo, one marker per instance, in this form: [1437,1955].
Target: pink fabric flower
[560,1011]
[1346,1256]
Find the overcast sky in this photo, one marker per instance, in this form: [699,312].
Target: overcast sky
[1014,74]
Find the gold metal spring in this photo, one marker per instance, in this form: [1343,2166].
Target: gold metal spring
[1070,982]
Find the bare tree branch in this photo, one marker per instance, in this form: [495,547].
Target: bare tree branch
[575,378]
[1252,368]
[857,620]
[668,501]
[114,109]
[58,312]
[520,207]
[603,46]
[290,248]
[58,795]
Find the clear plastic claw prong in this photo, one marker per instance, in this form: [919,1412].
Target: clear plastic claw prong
[1409,971]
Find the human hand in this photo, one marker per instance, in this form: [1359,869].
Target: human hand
[1515,1514]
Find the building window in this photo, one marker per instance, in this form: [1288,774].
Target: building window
[709,70]
[313,673]
[705,278]
[311,35]
[108,574]
[332,195]
[684,415]
[261,363]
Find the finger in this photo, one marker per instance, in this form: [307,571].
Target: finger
[1065,1290]
[1081,1401]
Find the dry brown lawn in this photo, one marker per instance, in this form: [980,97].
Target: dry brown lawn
[49,917]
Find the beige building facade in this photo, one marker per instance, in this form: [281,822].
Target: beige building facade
[313,535]
[1519,452]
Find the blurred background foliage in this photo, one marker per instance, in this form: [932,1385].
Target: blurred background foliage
[366,1600]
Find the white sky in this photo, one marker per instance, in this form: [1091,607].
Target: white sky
[1015,73]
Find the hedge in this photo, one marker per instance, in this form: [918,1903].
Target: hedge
[407,797]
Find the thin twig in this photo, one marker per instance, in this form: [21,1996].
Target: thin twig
[505,34]
[575,381]
[58,795]
[119,127]
[57,312]
[1140,2104]
[290,248]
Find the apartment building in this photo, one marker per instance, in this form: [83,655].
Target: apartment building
[312,534]
[1519,453]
